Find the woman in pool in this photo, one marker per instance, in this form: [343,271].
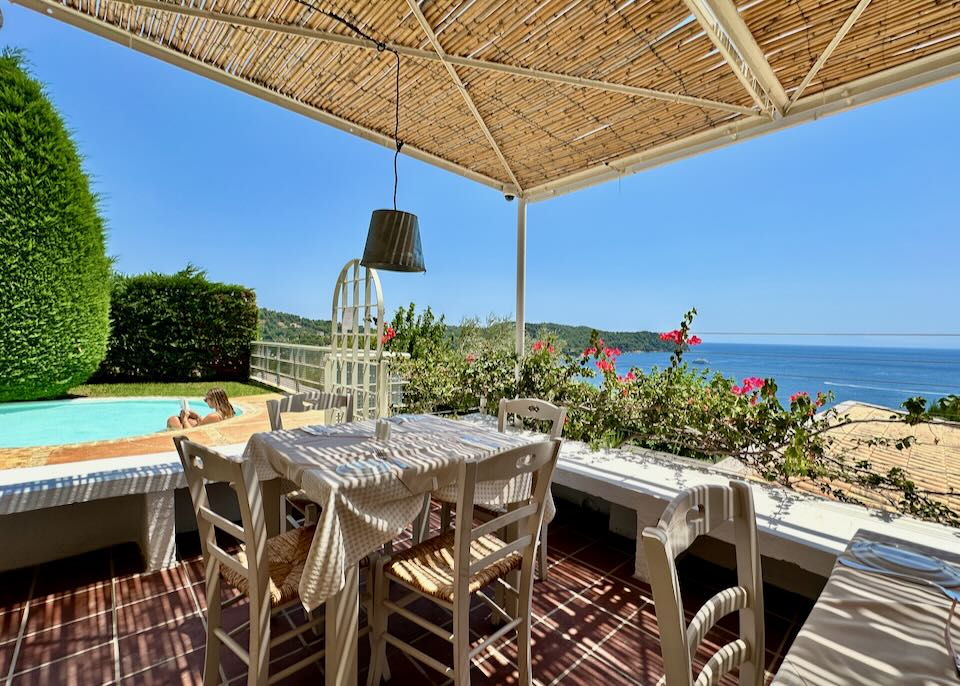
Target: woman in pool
[216,399]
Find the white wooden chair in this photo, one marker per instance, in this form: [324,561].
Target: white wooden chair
[266,570]
[309,401]
[450,568]
[295,508]
[695,512]
[517,410]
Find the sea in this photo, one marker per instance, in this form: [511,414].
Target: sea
[880,376]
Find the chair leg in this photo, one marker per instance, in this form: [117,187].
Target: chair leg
[542,564]
[211,665]
[461,642]
[378,627]
[525,610]
[284,510]
[259,647]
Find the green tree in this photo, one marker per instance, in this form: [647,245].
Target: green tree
[420,335]
[54,272]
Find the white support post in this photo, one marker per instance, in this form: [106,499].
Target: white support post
[158,531]
[521,271]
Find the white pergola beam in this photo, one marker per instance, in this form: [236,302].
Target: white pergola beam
[825,55]
[919,73]
[736,29]
[723,25]
[417,53]
[148,47]
[468,101]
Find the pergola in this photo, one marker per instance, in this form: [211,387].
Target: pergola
[537,98]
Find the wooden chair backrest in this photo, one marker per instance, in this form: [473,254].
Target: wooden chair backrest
[695,512]
[307,402]
[535,409]
[202,466]
[539,460]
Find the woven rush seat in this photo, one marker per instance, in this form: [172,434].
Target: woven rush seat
[287,554]
[428,566]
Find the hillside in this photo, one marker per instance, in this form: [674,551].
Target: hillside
[282,327]
[576,338]
[290,328]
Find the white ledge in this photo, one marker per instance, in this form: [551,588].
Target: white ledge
[795,527]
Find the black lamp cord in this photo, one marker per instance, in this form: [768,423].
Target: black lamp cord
[381,47]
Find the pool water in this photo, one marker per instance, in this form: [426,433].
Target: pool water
[54,422]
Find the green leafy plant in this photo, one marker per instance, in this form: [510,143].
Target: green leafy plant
[54,272]
[684,411]
[947,408]
[179,327]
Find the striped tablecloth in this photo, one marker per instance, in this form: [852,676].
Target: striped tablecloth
[371,490]
[868,629]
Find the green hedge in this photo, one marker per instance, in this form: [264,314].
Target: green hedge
[54,272]
[179,327]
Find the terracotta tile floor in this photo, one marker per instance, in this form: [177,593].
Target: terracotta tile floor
[95,619]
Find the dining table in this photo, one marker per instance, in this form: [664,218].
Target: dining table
[369,490]
[880,624]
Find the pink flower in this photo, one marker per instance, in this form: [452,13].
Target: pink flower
[605,366]
[753,400]
[630,376]
[589,352]
[470,358]
[550,349]
[736,390]
[752,383]
[537,346]
[694,340]
[388,335]
[611,352]
[799,394]
[600,342]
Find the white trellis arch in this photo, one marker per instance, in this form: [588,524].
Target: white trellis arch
[356,328]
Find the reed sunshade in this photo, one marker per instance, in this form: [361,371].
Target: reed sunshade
[555,94]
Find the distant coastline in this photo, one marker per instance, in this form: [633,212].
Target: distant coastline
[283,327]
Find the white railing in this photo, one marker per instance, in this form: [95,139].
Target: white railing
[292,367]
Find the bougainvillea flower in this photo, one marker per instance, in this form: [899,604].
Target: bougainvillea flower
[589,352]
[604,366]
[799,394]
[550,349]
[752,383]
[537,346]
[471,358]
[630,376]
[694,340]
[736,390]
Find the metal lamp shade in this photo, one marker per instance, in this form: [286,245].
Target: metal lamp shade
[393,242]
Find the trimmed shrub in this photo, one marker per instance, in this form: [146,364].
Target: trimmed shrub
[54,272]
[179,327]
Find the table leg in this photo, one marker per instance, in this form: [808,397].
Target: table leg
[342,626]
[421,523]
[270,492]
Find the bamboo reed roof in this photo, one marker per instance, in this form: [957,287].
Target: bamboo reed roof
[544,96]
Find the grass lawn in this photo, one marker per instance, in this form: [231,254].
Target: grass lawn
[186,389]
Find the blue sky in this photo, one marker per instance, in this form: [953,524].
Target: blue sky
[846,224]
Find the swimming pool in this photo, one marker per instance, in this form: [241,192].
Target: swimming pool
[54,422]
